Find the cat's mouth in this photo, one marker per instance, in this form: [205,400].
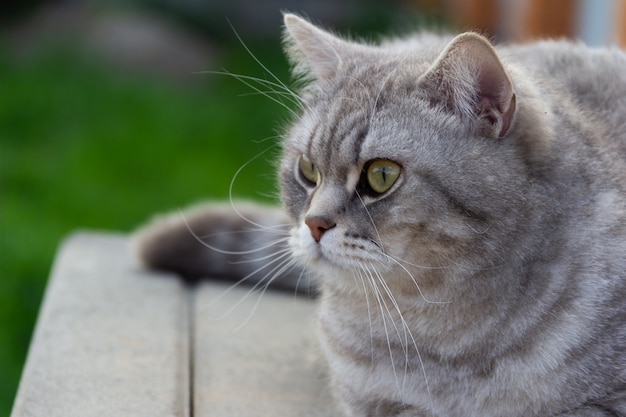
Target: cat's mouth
[337,249]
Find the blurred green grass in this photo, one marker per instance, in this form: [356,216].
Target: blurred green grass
[82,146]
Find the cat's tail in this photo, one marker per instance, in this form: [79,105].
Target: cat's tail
[243,241]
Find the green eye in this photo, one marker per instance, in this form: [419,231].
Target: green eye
[382,174]
[308,170]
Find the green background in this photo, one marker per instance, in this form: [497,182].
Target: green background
[87,145]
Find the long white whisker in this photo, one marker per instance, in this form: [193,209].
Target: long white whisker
[285,90]
[262,258]
[275,96]
[394,302]
[359,270]
[275,273]
[232,184]
[380,241]
[407,334]
[392,259]
[283,259]
[278,80]
[264,93]
[286,94]
[383,307]
[299,280]
[276,228]
[418,266]
[453,263]
[226,252]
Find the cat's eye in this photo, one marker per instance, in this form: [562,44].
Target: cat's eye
[308,170]
[381,174]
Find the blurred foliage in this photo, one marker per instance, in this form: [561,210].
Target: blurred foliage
[11,11]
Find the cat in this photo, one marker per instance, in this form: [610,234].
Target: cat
[462,210]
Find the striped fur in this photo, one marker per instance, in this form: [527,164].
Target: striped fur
[490,278]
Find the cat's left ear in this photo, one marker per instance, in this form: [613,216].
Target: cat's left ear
[313,52]
[469,77]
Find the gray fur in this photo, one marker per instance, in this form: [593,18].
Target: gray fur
[490,279]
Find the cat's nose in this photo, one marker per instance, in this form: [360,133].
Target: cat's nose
[318,225]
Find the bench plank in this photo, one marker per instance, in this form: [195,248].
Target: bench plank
[256,355]
[115,340]
[110,340]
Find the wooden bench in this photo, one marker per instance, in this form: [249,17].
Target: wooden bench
[115,340]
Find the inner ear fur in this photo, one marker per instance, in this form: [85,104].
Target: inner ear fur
[470,79]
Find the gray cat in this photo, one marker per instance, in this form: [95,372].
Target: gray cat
[463,210]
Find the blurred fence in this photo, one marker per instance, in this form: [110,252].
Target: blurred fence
[595,22]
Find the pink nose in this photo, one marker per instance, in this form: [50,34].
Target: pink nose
[318,225]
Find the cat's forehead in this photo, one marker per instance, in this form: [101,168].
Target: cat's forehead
[333,132]
[361,120]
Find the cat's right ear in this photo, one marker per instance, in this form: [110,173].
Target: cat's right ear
[314,52]
[469,79]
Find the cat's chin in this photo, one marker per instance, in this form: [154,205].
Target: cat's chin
[337,253]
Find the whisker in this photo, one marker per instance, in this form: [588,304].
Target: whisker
[415,282]
[425,267]
[367,303]
[406,330]
[383,307]
[407,334]
[392,259]
[227,252]
[380,241]
[232,184]
[452,263]
[242,79]
[265,92]
[281,260]
[278,80]
[276,227]
[393,300]
[285,90]
[276,272]
[298,282]
[262,258]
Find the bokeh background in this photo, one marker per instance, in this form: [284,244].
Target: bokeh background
[112,111]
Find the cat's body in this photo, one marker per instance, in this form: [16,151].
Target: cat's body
[465,215]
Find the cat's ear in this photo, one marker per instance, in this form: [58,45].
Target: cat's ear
[314,52]
[469,77]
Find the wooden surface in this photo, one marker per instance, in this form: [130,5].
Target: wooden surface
[115,340]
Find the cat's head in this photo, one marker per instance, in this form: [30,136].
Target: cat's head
[405,157]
